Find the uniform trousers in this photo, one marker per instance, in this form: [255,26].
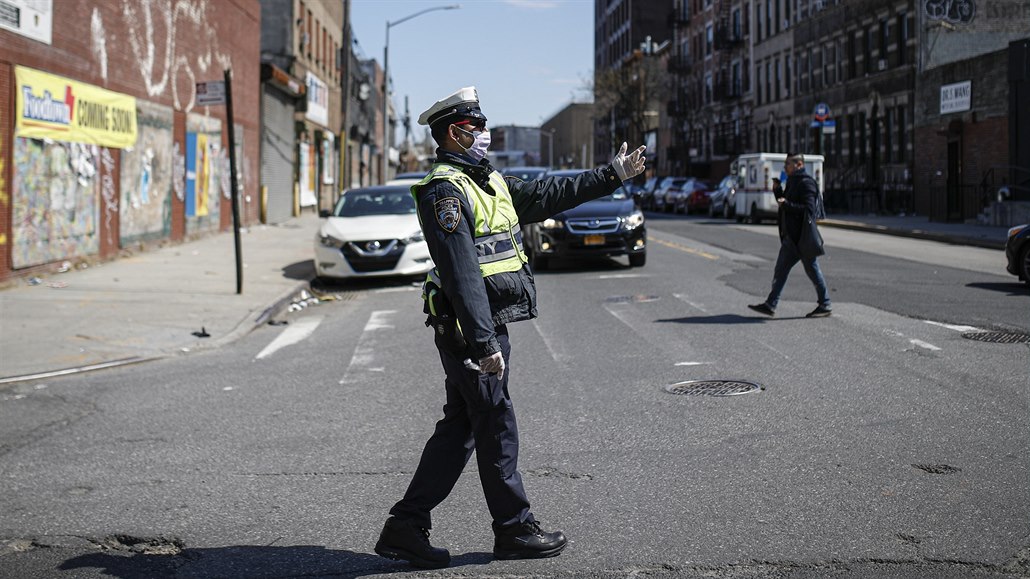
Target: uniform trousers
[478,415]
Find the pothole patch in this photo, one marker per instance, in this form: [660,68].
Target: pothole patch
[937,468]
[146,545]
[713,388]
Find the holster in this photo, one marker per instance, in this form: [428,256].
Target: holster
[441,317]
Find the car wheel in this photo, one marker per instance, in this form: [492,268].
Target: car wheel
[1024,262]
[711,211]
[638,259]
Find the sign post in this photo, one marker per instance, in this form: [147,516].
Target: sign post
[217,93]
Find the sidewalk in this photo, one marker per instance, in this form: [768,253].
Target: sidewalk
[921,228]
[149,305]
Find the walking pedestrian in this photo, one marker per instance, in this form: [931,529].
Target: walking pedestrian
[799,209]
[470,216]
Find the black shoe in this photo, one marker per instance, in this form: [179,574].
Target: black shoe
[763,308]
[819,312]
[527,541]
[406,541]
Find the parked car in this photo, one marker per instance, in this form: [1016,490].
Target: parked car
[607,227]
[665,195]
[696,198]
[646,195]
[723,199]
[407,178]
[372,231]
[524,173]
[1017,250]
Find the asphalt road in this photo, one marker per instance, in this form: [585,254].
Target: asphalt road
[880,443]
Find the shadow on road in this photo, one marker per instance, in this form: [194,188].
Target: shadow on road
[720,319]
[1012,288]
[252,561]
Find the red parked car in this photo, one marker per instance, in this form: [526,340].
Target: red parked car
[698,199]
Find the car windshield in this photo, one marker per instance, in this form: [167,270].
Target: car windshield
[620,194]
[364,202]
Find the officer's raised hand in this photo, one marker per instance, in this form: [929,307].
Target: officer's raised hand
[629,166]
[493,364]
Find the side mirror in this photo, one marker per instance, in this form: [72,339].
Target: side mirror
[324,213]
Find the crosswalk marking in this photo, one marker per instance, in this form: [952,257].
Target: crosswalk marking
[299,330]
[364,352]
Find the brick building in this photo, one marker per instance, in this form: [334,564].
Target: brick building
[971,94]
[103,147]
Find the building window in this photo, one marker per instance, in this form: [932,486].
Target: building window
[902,132]
[787,64]
[758,84]
[902,28]
[885,32]
[852,57]
[851,139]
[736,31]
[779,78]
[868,49]
[709,40]
[737,84]
[768,18]
[768,80]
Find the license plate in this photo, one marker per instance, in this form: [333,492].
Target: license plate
[593,240]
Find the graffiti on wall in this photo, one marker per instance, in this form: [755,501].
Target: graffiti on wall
[152,28]
[146,176]
[55,208]
[107,192]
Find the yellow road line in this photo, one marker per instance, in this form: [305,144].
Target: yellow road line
[686,249]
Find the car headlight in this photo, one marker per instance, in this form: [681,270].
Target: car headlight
[1015,230]
[635,219]
[414,238]
[330,241]
[552,223]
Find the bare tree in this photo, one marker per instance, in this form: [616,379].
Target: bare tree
[629,97]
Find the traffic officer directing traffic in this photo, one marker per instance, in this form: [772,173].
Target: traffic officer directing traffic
[471,215]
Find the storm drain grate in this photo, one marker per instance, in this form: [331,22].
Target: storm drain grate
[712,388]
[998,337]
[637,299]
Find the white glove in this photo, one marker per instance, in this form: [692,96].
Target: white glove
[629,166]
[494,363]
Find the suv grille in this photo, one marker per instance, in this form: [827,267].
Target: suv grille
[594,225]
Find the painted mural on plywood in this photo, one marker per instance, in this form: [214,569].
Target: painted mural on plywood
[146,177]
[203,172]
[55,201]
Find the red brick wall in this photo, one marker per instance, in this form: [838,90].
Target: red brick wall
[108,44]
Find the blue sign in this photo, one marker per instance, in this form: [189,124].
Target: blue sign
[821,112]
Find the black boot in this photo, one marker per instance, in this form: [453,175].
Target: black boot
[527,541]
[404,540]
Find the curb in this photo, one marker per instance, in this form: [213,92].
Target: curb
[915,234]
[244,327]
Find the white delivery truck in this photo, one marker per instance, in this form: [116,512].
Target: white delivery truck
[755,199]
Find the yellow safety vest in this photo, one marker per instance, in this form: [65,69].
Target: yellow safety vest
[498,237]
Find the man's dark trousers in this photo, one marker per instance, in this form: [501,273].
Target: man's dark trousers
[478,415]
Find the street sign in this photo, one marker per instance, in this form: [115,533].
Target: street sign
[821,112]
[829,127]
[211,92]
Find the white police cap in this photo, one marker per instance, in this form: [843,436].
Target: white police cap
[462,104]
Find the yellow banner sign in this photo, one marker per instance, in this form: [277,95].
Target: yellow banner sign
[61,109]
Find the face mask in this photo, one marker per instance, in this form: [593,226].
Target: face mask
[479,147]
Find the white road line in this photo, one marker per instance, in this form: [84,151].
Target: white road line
[621,275]
[299,330]
[684,299]
[690,363]
[561,357]
[955,327]
[923,344]
[364,352]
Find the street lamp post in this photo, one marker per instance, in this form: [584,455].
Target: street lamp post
[386,81]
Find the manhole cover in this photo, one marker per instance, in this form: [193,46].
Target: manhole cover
[712,388]
[998,337]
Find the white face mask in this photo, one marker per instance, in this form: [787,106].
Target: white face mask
[480,145]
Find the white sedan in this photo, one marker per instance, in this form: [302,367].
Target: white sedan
[373,231]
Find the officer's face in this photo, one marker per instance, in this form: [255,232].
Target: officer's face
[463,132]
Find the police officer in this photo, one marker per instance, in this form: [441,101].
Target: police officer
[471,215]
